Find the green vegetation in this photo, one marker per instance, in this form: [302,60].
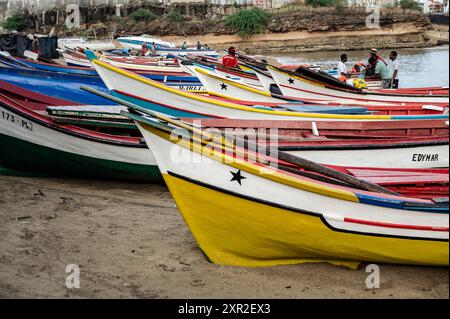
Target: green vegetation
[175,16]
[248,22]
[410,4]
[325,3]
[143,15]
[14,23]
[339,5]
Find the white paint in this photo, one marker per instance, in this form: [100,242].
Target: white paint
[218,174]
[382,158]
[44,136]
[307,90]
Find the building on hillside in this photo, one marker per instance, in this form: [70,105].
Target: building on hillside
[433,6]
[265,4]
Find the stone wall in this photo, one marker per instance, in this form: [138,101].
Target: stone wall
[10,7]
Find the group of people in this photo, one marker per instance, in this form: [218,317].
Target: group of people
[376,68]
[145,50]
[199,46]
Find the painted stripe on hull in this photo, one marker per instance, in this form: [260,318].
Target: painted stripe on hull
[382,158]
[21,155]
[247,235]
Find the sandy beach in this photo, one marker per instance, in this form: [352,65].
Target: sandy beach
[130,241]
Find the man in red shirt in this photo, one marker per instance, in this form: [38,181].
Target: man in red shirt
[230,60]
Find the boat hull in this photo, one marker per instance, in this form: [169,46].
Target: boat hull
[148,94]
[432,156]
[32,146]
[67,86]
[291,85]
[272,223]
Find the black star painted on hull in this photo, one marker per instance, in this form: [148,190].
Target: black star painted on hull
[291,81]
[237,177]
[223,86]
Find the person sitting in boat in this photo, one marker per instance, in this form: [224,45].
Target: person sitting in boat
[370,68]
[206,47]
[358,67]
[184,46]
[144,50]
[342,68]
[230,60]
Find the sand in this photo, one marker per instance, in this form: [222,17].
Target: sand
[130,241]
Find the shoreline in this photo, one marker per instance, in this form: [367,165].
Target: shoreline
[399,37]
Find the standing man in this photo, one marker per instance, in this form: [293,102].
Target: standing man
[153,49]
[342,68]
[394,67]
[382,71]
[184,46]
[230,60]
[374,54]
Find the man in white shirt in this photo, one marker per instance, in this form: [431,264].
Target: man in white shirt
[394,67]
[342,68]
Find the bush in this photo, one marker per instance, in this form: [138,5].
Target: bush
[175,16]
[326,3]
[14,23]
[249,21]
[410,4]
[143,15]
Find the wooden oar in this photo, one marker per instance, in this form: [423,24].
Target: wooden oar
[304,163]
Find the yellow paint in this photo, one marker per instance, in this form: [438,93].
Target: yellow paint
[264,172]
[245,68]
[236,106]
[241,86]
[211,93]
[240,232]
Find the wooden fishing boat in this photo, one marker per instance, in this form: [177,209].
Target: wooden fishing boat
[247,77]
[165,51]
[308,84]
[75,59]
[230,89]
[32,141]
[21,63]
[67,86]
[396,144]
[157,96]
[136,42]
[247,213]
[132,65]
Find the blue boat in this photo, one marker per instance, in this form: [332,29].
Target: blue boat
[57,85]
[66,85]
[24,63]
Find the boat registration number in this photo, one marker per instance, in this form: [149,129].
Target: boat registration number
[11,118]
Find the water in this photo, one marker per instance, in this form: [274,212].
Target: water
[418,67]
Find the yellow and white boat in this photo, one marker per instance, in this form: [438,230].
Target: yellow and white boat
[247,213]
